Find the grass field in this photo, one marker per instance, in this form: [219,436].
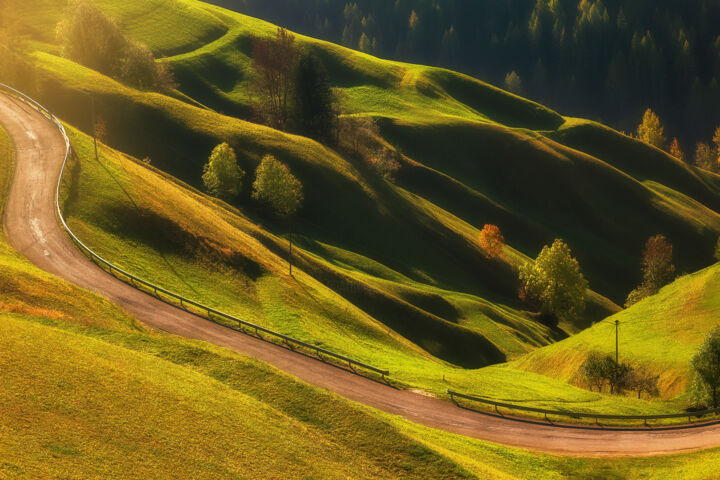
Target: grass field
[391,273]
[88,392]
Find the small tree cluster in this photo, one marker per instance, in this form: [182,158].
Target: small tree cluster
[707,155]
[657,268]
[601,370]
[360,137]
[492,241]
[292,88]
[555,284]
[96,41]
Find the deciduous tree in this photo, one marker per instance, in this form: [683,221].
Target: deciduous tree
[706,365]
[704,157]
[513,83]
[274,60]
[276,187]
[554,279]
[657,268]
[492,241]
[222,176]
[651,130]
[676,150]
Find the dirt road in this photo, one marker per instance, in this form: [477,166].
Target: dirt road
[32,227]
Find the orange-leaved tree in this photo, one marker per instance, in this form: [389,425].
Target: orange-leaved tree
[492,241]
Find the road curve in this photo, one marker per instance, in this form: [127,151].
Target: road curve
[32,227]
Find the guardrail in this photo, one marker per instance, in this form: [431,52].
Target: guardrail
[578,415]
[158,291]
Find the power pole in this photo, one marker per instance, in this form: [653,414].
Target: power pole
[94,125]
[617,326]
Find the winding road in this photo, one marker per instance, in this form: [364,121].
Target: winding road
[32,227]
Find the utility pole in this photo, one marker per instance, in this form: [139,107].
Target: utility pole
[94,125]
[617,326]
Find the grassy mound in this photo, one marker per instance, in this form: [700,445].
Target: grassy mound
[678,318]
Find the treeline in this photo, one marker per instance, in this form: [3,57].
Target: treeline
[607,59]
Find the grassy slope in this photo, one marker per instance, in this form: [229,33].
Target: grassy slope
[457,297]
[235,267]
[678,318]
[78,375]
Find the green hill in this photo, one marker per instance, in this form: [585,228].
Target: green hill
[391,273]
[661,333]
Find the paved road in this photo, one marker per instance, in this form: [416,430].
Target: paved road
[32,228]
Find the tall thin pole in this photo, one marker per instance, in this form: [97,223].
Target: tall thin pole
[290,259]
[94,126]
[617,326]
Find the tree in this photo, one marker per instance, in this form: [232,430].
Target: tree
[95,40]
[385,162]
[593,370]
[315,105]
[91,38]
[222,176]
[657,269]
[555,281]
[599,369]
[279,189]
[274,61]
[676,150]
[651,130]
[704,157]
[643,381]
[513,83]
[706,365]
[492,241]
